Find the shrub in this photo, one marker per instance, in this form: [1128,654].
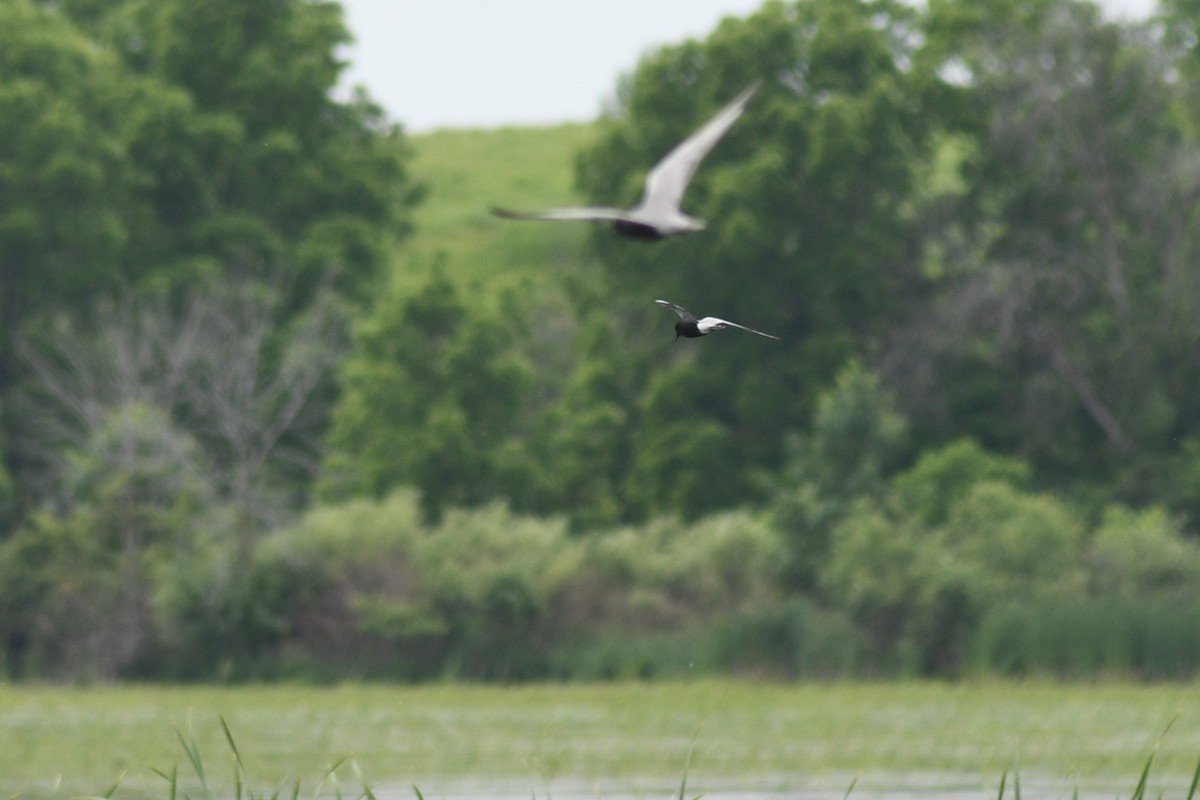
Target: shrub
[921,588]
[367,589]
[1143,553]
[669,573]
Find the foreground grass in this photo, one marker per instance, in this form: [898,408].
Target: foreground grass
[611,737]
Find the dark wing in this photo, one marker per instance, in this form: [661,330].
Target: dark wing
[709,324]
[595,214]
[669,179]
[683,313]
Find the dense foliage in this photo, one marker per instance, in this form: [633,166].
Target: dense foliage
[247,433]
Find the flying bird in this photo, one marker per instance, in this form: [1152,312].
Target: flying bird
[657,216]
[690,327]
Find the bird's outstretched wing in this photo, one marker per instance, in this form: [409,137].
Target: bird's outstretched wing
[709,324]
[683,313]
[669,178]
[597,214]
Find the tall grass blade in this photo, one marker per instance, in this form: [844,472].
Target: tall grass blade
[1195,780]
[332,779]
[106,796]
[113,789]
[1017,784]
[1169,725]
[229,738]
[850,788]
[172,779]
[1139,792]
[683,783]
[417,792]
[193,753]
[687,763]
[358,776]
[1003,781]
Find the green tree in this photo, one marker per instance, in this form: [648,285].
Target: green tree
[66,185]
[1061,326]
[580,450]
[856,442]
[258,169]
[430,398]
[808,200]
[686,464]
[942,477]
[163,148]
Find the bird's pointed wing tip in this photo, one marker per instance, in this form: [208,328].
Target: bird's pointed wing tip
[751,330]
[682,312]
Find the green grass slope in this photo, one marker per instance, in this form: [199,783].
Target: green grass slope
[465,173]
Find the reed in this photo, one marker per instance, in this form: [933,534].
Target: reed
[1122,637]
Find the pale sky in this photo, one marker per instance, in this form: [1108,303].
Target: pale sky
[487,63]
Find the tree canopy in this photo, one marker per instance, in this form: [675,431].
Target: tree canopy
[245,424]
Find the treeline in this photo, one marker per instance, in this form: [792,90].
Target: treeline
[236,448]
[952,566]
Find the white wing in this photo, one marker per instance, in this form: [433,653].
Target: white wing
[669,179]
[597,214]
[710,324]
[683,313]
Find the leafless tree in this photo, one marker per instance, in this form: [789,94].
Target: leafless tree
[258,390]
[153,421]
[229,367]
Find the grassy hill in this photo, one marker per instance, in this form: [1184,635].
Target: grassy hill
[465,173]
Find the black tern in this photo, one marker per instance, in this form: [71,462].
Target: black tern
[658,215]
[690,327]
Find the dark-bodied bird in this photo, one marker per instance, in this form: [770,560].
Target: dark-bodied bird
[658,215]
[690,327]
